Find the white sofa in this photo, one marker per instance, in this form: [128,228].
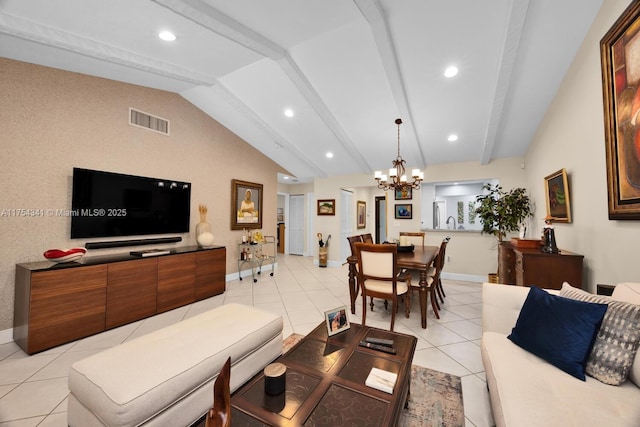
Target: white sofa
[165,378]
[526,391]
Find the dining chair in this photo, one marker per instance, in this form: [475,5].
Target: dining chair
[439,288]
[220,414]
[433,278]
[352,240]
[367,238]
[415,238]
[378,277]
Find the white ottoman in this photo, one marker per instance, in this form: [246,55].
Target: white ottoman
[165,378]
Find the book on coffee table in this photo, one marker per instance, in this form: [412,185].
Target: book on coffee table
[381,380]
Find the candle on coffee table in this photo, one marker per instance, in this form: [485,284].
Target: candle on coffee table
[275,375]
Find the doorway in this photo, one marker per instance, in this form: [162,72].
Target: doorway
[381,219]
[346,222]
[296,224]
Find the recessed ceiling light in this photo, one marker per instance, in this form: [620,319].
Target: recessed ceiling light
[452,138]
[329,155]
[451,71]
[167,36]
[288,112]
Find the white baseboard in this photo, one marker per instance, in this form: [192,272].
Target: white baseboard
[6,336]
[334,264]
[464,277]
[247,273]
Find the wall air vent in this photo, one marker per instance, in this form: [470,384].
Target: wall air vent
[147,121]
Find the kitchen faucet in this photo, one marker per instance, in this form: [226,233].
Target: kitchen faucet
[454,221]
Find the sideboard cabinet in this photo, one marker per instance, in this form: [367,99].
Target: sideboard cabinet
[59,303]
[530,266]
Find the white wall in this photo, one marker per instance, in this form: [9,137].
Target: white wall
[472,255]
[571,136]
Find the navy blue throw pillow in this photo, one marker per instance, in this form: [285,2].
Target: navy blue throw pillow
[559,330]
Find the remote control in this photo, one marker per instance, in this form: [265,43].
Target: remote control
[381,341]
[378,347]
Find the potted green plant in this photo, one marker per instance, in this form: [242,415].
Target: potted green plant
[502,212]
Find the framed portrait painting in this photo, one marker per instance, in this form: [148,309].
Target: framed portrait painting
[556,188]
[361,214]
[246,205]
[327,207]
[620,58]
[404,211]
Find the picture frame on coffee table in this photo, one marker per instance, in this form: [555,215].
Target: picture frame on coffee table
[336,320]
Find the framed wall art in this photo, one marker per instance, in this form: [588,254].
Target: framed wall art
[327,207]
[404,193]
[246,205]
[404,211]
[361,214]
[620,57]
[556,188]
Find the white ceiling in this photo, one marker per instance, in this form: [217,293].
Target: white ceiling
[348,69]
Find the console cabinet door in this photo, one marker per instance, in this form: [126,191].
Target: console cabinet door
[131,291]
[66,305]
[210,273]
[176,281]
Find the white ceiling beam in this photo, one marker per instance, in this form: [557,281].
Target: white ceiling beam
[215,21]
[509,54]
[250,115]
[212,19]
[60,39]
[373,13]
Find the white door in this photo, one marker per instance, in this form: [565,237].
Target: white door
[296,225]
[346,223]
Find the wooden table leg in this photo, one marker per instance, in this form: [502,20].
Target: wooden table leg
[423,298]
[353,291]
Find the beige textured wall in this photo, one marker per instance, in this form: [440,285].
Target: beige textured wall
[572,137]
[53,120]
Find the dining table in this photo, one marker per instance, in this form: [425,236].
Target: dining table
[419,259]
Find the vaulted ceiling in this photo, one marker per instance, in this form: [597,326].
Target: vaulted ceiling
[345,68]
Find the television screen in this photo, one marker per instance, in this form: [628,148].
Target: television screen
[106,204]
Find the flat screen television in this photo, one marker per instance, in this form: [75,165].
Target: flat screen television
[106,204]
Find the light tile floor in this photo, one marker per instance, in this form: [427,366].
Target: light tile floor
[33,389]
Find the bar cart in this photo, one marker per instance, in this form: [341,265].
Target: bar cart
[257,254]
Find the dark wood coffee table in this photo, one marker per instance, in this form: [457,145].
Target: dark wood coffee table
[326,383]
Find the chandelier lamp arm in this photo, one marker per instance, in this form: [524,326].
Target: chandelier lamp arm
[397,176]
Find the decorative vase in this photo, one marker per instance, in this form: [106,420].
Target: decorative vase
[204,236]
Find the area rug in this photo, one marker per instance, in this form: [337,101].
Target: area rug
[436,397]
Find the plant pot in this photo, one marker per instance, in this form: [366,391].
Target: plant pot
[492,278]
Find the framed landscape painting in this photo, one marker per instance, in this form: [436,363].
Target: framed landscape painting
[557,194]
[620,57]
[327,207]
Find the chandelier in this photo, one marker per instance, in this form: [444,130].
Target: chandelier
[397,176]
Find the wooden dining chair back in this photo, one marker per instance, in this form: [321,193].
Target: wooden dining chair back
[352,241]
[220,414]
[367,238]
[439,263]
[433,278]
[378,277]
[415,238]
